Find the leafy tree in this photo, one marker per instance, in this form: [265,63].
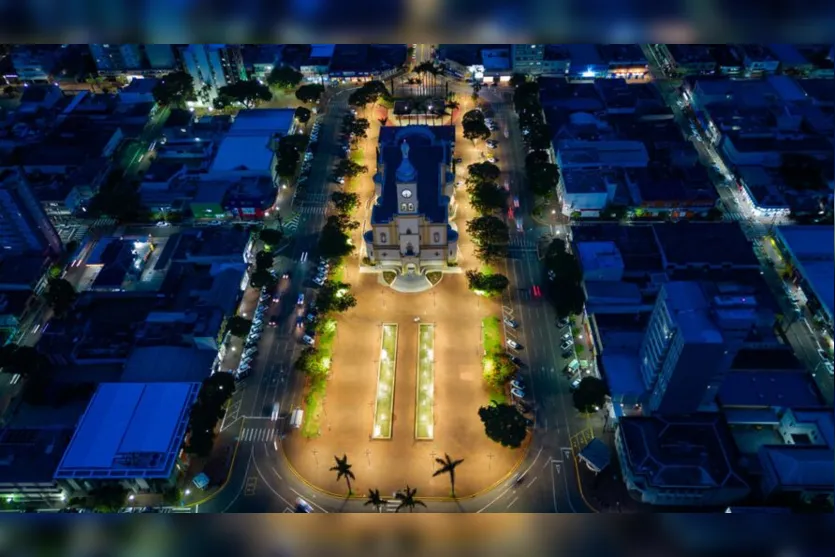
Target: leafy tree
[375,499]
[487,197]
[565,290]
[290,148]
[345,202]
[284,77]
[483,172]
[343,222]
[333,241]
[349,169]
[490,235]
[448,466]
[206,411]
[476,88]
[302,114]
[107,498]
[174,90]
[369,93]
[310,362]
[60,296]
[122,203]
[504,424]
[517,79]
[9,91]
[407,499]
[262,278]
[536,157]
[23,360]
[172,496]
[490,284]
[590,394]
[271,237]
[474,126]
[310,93]
[543,179]
[539,137]
[264,260]
[238,326]
[526,97]
[335,296]
[359,127]
[248,93]
[499,369]
[343,470]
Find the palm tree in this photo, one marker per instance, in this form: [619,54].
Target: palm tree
[343,469]
[452,106]
[448,466]
[375,499]
[407,499]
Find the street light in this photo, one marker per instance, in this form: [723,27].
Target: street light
[188,492]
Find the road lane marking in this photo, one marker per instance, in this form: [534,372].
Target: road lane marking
[554,491]
[277,474]
[549,461]
[530,483]
[311,502]
[502,494]
[511,503]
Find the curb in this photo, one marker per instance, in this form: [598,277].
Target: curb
[225,482]
[479,493]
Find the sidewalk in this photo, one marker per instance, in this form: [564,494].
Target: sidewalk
[606,492]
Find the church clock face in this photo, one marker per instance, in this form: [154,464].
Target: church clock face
[406,194]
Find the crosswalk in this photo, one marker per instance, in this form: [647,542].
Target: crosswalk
[316,198]
[312,210]
[391,505]
[520,242]
[258,434]
[734,216]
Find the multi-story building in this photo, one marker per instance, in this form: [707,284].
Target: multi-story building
[34,63]
[24,225]
[113,59]
[213,66]
[688,59]
[160,57]
[527,58]
[409,227]
[691,340]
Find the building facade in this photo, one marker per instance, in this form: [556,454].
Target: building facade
[112,59]
[527,58]
[213,66]
[409,230]
[24,225]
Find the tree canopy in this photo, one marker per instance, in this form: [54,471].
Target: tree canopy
[543,179]
[238,326]
[517,79]
[206,411]
[498,370]
[490,285]
[284,77]
[310,93]
[302,114]
[23,360]
[565,290]
[349,169]
[370,92]
[335,296]
[271,237]
[474,126]
[504,424]
[174,90]
[490,235]
[334,242]
[60,296]
[345,202]
[249,93]
[262,278]
[290,148]
[483,172]
[487,197]
[359,128]
[590,394]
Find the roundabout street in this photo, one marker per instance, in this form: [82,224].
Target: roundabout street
[273,465]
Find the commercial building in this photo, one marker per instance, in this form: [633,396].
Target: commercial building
[35,63]
[688,59]
[316,68]
[29,457]
[527,58]
[24,225]
[131,433]
[409,230]
[809,253]
[116,59]
[212,66]
[680,461]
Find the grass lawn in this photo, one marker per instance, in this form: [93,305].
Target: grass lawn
[358,156]
[338,273]
[487,269]
[498,397]
[315,399]
[434,276]
[491,335]
[384,401]
[425,408]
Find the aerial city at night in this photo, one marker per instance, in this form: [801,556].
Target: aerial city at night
[429,278]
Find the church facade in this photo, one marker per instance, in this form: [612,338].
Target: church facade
[409,230]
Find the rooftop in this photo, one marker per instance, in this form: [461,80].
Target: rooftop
[210,242]
[168,364]
[681,452]
[799,467]
[430,153]
[637,245]
[691,53]
[599,255]
[31,454]
[140,86]
[601,153]
[768,388]
[130,430]
[694,244]
[813,248]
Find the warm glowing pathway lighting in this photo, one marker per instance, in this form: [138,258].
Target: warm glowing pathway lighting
[425,408]
[384,401]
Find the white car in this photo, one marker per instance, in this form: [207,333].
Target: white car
[308,340]
[303,506]
[319,281]
[566,336]
[512,323]
[513,344]
[829,368]
[517,385]
[566,345]
[491,160]
[517,393]
[300,300]
[163,224]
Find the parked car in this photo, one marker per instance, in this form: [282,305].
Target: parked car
[566,336]
[274,321]
[562,322]
[575,384]
[299,322]
[566,344]
[517,361]
[513,344]
[516,384]
[311,317]
[516,393]
[300,300]
[303,506]
[319,281]
[308,340]
[551,275]
[512,323]
[523,406]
